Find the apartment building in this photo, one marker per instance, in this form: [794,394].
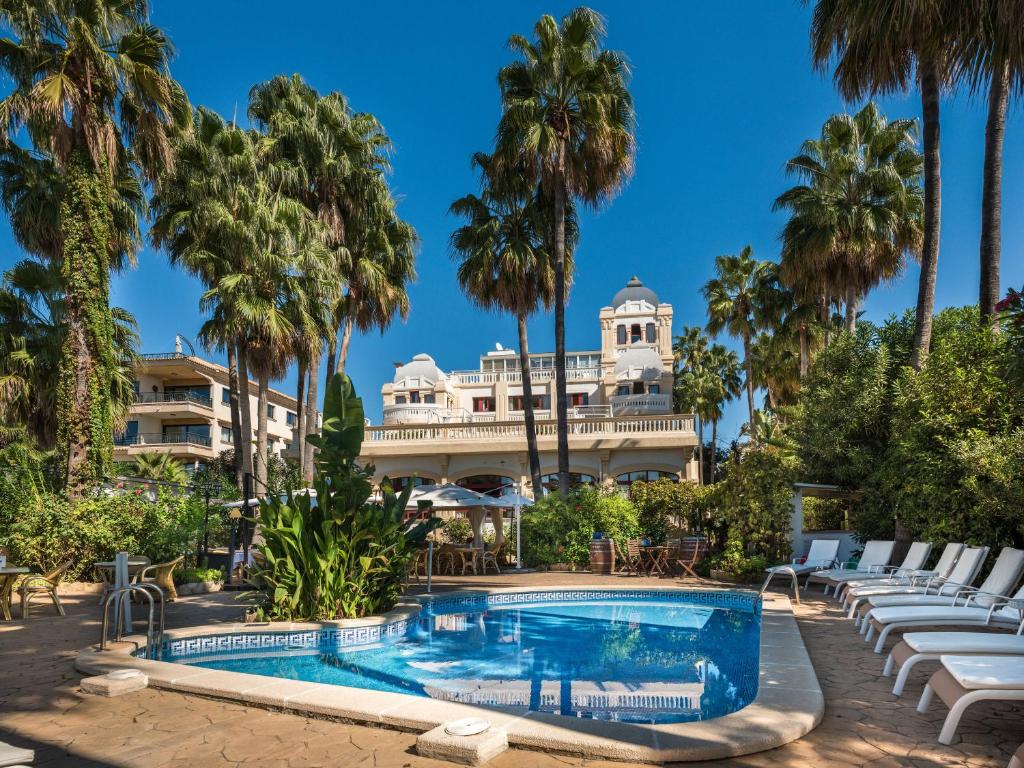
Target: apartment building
[467,426]
[182,407]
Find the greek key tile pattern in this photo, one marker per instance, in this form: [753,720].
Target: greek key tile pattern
[337,639]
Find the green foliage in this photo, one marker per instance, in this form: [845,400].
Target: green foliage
[826,514]
[338,556]
[751,510]
[457,530]
[197,575]
[48,529]
[663,504]
[557,530]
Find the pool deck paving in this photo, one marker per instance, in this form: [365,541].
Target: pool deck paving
[43,708]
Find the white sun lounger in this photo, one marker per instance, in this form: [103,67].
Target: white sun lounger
[998,584]
[1017,761]
[907,579]
[876,555]
[1003,612]
[822,554]
[965,680]
[916,647]
[911,567]
[14,756]
[963,573]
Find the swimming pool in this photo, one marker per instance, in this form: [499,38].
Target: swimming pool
[639,656]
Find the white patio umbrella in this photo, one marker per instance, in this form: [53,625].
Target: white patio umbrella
[452,496]
[510,499]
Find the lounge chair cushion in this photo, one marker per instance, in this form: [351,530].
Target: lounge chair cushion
[884,601]
[986,672]
[937,613]
[10,756]
[963,642]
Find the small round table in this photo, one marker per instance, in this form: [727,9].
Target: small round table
[8,576]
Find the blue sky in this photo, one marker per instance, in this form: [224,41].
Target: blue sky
[724,95]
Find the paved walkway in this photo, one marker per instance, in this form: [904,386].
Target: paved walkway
[42,708]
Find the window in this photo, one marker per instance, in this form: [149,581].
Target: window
[483,405]
[225,395]
[577,399]
[429,398]
[651,335]
[285,447]
[135,387]
[634,333]
[654,389]
[414,397]
[540,402]
[131,428]
[644,476]
[270,411]
[399,399]
[638,387]
[187,433]
[576,479]
[622,391]
[225,435]
[398,483]
[620,337]
[291,419]
[187,392]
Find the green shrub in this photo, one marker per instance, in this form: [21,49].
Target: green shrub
[196,575]
[457,530]
[557,530]
[342,556]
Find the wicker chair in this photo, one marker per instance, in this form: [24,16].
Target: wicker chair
[490,557]
[161,575]
[42,584]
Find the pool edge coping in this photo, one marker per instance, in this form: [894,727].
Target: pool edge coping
[789,702]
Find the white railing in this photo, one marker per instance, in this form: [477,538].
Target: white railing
[425,413]
[638,404]
[516,377]
[516,430]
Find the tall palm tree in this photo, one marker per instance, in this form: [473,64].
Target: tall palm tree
[775,366]
[988,54]
[879,46]
[567,112]
[743,299]
[504,263]
[857,211]
[725,367]
[90,85]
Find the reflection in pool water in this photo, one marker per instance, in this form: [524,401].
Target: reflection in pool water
[627,660]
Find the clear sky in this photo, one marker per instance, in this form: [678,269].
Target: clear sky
[724,95]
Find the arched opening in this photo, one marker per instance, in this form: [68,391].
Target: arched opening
[643,476]
[399,483]
[576,479]
[492,485]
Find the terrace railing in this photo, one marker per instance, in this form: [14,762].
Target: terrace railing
[159,438]
[174,397]
[515,430]
[537,375]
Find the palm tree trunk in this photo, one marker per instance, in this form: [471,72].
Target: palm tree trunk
[825,317]
[346,338]
[312,396]
[804,352]
[992,195]
[700,451]
[332,354]
[714,446]
[932,212]
[749,368]
[561,404]
[236,423]
[531,426]
[300,414]
[85,436]
[260,465]
[851,310]
[245,408]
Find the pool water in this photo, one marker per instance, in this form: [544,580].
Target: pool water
[633,660]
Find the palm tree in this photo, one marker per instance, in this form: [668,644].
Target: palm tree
[504,263]
[689,347]
[878,46]
[988,53]
[856,212]
[775,366]
[725,367]
[568,114]
[743,298]
[90,86]
[159,466]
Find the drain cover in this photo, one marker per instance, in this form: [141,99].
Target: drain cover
[469,726]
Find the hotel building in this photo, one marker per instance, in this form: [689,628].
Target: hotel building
[467,427]
[182,407]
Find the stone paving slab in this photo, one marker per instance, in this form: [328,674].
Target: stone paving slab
[42,708]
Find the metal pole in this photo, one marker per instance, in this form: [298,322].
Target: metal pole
[430,565]
[519,531]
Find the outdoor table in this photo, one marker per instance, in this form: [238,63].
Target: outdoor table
[472,552]
[8,576]
[656,559]
[113,578]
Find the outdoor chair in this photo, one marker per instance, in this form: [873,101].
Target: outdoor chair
[444,559]
[1017,761]
[35,584]
[876,555]
[912,563]
[419,563]
[107,576]
[626,565]
[822,554]
[15,756]
[161,574]
[490,557]
[691,551]
[634,558]
[964,680]
[917,647]
[949,560]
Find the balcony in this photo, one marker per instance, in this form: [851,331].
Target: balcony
[669,430]
[429,413]
[537,376]
[173,404]
[634,405]
[184,444]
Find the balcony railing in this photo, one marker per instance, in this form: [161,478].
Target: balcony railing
[163,356]
[159,438]
[639,404]
[174,397]
[515,430]
[537,375]
[427,413]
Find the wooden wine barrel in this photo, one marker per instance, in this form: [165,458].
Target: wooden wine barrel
[602,556]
